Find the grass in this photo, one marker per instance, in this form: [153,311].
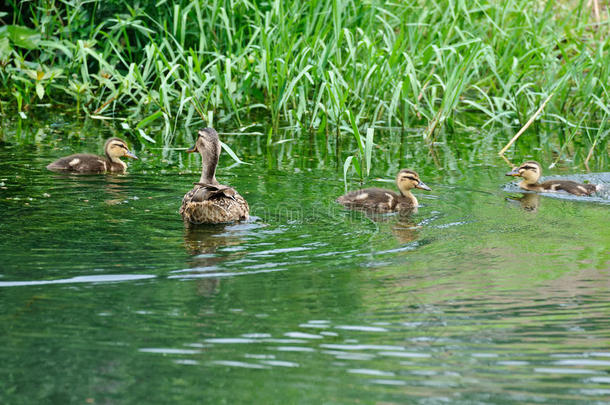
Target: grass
[444,69]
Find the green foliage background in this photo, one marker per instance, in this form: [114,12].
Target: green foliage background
[443,67]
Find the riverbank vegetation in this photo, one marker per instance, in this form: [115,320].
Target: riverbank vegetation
[441,70]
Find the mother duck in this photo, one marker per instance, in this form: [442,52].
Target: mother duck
[210,202]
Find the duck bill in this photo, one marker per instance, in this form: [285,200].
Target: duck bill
[514,172]
[423,186]
[131,155]
[192,149]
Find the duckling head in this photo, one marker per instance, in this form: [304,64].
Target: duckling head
[406,180]
[530,171]
[116,148]
[208,145]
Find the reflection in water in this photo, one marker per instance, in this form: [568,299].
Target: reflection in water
[115,186]
[116,189]
[528,201]
[406,230]
[202,242]
[403,225]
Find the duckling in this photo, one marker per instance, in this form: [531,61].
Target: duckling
[88,163]
[210,202]
[382,200]
[531,172]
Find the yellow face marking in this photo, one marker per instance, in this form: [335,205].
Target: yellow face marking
[74,162]
[410,180]
[118,149]
[362,196]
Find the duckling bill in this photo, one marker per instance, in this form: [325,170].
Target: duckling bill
[380,200]
[114,148]
[531,171]
[210,202]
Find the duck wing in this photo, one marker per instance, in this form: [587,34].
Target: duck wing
[377,199]
[213,204]
[80,162]
[207,191]
[569,186]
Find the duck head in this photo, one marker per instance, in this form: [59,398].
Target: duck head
[530,171]
[406,180]
[208,146]
[116,148]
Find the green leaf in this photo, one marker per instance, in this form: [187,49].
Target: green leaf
[210,119]
[143,135]
[23,37]
[5,49]
[61,45]
[232,154]
[39,90]
[346,165]
[357,168]
[368,149]
[144,122]
[269,136]
[356,132]
[31,73]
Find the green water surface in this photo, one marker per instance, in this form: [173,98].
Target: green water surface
[106,298]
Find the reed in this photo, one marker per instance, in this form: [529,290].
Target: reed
[332,66]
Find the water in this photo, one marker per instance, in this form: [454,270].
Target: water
[480,297]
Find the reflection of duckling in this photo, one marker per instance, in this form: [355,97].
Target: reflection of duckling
[88,163]
[209,202]
[531,172]
[382,200]
[529,201]
[406,230]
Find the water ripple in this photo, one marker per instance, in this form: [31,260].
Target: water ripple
[102,278]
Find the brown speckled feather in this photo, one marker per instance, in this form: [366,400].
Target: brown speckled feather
[376,199]
[85,163]
[569,186]
[208,204]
